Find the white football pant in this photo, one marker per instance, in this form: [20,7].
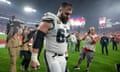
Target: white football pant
[55,63]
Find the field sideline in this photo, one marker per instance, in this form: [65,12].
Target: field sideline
[101,63]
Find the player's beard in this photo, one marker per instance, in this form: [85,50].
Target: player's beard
[63,18]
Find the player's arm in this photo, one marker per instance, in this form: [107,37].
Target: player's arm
[38,41]
[45,25]
[95,39]
[47,22]
[41,32]
[85,35]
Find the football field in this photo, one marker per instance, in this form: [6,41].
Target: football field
[101,63]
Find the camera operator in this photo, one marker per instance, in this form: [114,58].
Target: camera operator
[14,41]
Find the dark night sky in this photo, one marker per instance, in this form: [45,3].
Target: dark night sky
[90,9]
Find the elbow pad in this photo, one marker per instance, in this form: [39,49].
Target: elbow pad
[38,39]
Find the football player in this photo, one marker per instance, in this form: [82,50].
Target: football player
[55,29]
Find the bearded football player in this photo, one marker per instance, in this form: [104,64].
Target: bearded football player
[55,29]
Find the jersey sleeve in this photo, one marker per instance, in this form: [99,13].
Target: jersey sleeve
[50,17]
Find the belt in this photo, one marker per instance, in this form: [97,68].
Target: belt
[55,54]
[58,54]
[87,50]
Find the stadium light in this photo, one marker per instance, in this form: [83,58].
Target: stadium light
[29,9]
[6,1]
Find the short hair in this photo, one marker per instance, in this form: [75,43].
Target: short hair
[65,4]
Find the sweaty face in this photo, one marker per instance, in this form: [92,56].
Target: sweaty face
[66,13]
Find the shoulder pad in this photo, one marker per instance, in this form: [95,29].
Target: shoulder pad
[49,16]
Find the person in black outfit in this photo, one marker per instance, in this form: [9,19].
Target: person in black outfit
[26,51]
[114,42]
[104,43]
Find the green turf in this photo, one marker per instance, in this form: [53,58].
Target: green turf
[101,63]
[2,36]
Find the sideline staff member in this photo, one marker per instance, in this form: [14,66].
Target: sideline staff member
[13,43]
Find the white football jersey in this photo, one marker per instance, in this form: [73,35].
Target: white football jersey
[56,37]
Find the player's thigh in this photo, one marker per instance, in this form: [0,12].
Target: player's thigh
[82,54]
[51,62]
[62,62]
[90,56]
[56,67]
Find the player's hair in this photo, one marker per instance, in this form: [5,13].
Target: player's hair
[88,32]
[90,29]
[65,4]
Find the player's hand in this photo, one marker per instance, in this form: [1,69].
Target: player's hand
[33,64]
